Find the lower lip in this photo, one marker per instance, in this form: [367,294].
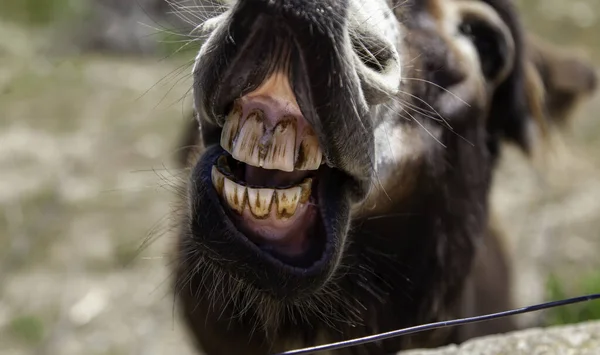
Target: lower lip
[290,237]
[216,230]
[287,236]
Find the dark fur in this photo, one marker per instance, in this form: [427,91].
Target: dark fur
[429,255]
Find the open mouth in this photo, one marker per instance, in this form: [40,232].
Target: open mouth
[288,149]
[267,178]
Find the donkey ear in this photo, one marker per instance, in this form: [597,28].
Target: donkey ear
[544,88]
[567,79]
[516,102]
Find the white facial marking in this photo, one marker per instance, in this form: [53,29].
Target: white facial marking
[374,18]
[397,145]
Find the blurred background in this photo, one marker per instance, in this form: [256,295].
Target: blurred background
[93,96]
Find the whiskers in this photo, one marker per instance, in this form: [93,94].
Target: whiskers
[227,298]
[196,15]
[173,181]
[412,107]
[196,12]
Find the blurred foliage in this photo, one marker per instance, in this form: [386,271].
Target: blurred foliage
[571,23]
[575,313]
[67,13]
[39,12]
[29,329]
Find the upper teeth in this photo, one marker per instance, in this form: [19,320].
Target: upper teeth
[261,200]
[275,148]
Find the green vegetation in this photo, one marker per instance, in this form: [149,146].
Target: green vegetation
[38,12]
[29,329]
[576,313]
[50,13]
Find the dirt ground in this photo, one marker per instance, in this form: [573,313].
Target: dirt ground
[86,175]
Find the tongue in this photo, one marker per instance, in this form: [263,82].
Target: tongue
[273,178]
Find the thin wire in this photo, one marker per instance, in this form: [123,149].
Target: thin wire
[436,325]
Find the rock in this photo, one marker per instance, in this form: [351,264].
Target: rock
[579,339]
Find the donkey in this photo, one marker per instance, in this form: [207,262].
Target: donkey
[340,162]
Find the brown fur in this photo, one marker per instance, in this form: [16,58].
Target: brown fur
[448,260]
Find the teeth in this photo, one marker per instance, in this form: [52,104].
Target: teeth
[261,200]
[218,180]
[230,129]
[253,144]
[309,154]
[280,154]
[247,144]
[306,190]
[287,201]
[235,195]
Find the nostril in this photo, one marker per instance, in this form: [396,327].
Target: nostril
[373,53]
[378,67]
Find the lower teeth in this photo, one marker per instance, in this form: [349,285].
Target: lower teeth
[260,201]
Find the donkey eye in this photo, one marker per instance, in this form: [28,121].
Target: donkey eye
[489,44]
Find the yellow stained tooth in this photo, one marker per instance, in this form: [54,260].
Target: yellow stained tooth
[287,201]
[309,153]
[217,180]
[260,201]
[235,195]
[280,153]
[246,145]
[230,128]
[306,187]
